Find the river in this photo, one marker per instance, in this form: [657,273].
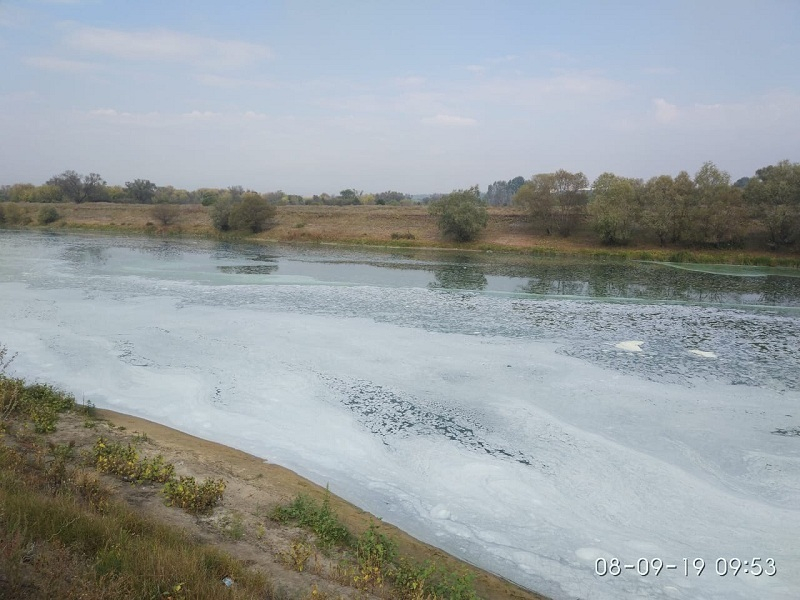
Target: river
[539,417]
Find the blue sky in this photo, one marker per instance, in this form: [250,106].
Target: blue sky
[313,96]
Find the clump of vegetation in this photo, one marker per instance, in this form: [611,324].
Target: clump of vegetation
[461,214]
[250,213]
[403,236]
[318,517]
[124,461]
[193,496]
[375,561]
[47,215]
[166,214]
[41,403]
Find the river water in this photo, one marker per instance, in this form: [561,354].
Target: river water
[530,415]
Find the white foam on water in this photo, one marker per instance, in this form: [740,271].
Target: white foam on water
[503,451]
[703,353]
[630,346]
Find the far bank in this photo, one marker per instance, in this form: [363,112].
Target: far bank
[508,230]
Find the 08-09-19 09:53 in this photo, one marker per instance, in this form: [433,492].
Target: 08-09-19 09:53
[755,566]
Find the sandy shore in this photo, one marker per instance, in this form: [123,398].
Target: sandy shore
[254,487]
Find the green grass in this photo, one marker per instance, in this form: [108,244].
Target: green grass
[376,561]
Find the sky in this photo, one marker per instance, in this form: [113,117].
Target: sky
[313,96]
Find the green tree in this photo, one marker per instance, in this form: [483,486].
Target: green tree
[70,184]
[614,208]
[717,213]
[774,198]
[47,193]
[221,213]
[556,201]
[22,192]
[665,202]
[141,191]
[252,213]
[94,188]
[461,214]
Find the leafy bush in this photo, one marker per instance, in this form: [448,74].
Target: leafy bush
[461,214]
[194,497]
[319,517]
[124,461]
[47,215]
[164,213]
[252,213]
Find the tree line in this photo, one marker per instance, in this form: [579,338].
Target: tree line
[706,209]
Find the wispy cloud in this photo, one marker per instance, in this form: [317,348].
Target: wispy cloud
[64,65]
[167,45]
[450,121]
[665,112]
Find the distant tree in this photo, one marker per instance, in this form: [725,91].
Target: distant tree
[614,208]
[70,184]
[515,184]
[236,192]
[390,197]
[461,214]
[116,193]
[221,213]
[774,198]
[498,194]
[22,192]
[47,193]
[556,201]
[274,198]
[666,203]
[349,196]
[741,182]
[141,191]
[717,214]
[94,188]
[252,214]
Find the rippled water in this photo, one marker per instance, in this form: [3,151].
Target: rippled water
[486,403]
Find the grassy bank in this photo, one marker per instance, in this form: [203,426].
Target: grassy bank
[95,509]
[396,226]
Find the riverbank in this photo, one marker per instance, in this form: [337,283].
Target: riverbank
[394,226]
[261,556]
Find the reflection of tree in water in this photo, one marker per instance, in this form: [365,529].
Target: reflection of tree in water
[248,269]
[80,254]
[459,275]
[654,282]
[162,251]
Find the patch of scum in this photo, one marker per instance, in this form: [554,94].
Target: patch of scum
[387,413]
[754,348]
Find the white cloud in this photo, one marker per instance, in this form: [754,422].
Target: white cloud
[55,63]
[167,45]
[450,121]
[665,112]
